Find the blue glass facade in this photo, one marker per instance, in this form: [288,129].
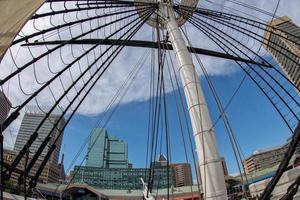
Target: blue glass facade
[106,151]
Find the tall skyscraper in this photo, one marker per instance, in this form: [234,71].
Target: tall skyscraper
[106,151]
[29,123]
[273,41]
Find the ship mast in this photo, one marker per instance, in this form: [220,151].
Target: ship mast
[212,175]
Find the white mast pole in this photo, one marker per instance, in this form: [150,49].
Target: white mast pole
[212,175]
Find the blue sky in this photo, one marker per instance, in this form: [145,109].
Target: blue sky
[254,121]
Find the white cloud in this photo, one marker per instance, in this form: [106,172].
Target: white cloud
[104,90]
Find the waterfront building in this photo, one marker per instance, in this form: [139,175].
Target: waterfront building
[107,167]
[106,151]
[265,158]
[72,191]
[30,122]
[122,178]
[274,41]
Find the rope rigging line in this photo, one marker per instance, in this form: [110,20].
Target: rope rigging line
[119,95]
[280,85]
[229,130]
[253,35]
[60,72]
[98,70]
[151,103]
[180,125]
[66,59]
[259,75]
[75,38]
[253,23]
[35,133]
[36,16]
[293,144]
[262,42]
[256,8]
[164,118]
[186,122]
[236,11]
[117,51]
[27,37]
[157,114]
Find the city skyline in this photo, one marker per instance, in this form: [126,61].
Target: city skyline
[277,140]
[148,98]
[139,163]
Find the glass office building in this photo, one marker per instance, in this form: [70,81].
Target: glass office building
[106,151]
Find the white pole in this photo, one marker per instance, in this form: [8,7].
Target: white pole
[210,164]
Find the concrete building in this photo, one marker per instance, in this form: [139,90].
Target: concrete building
[266,158]
[291,69]
[285,181]
[30,122]
[106,151]
[183,174]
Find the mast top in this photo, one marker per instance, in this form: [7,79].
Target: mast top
[152,21]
